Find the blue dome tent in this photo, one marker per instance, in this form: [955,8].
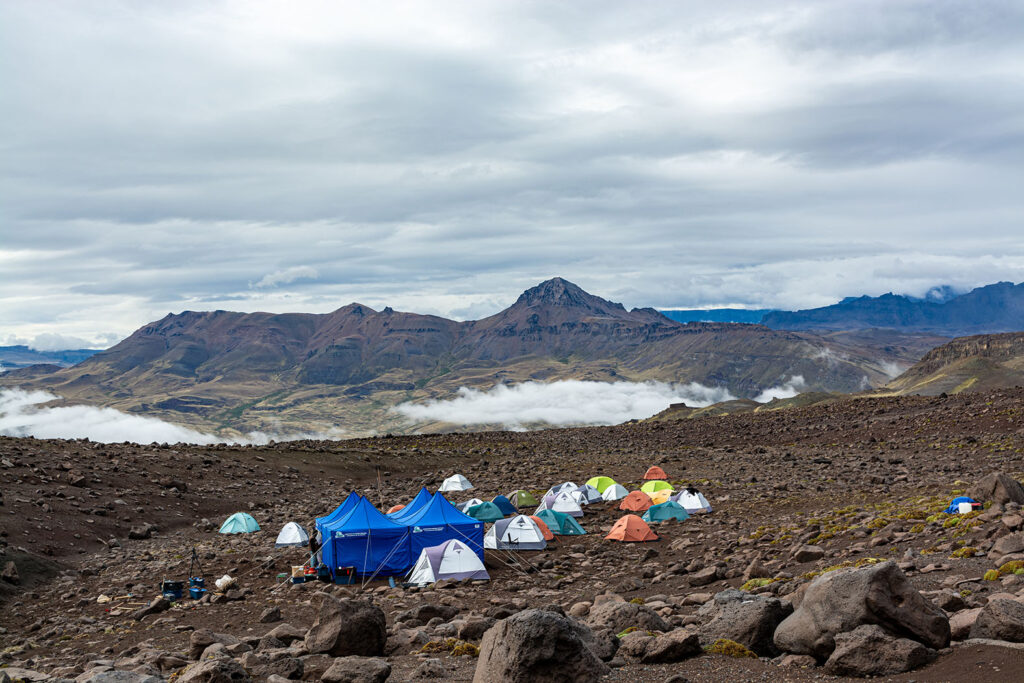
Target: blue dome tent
[366,542]
[505,505]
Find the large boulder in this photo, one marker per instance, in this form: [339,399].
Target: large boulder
[221,670]
[1000,619]
[347,627]
[202,638]
[357,670]
[618,616]
[999,488]
[673,646]
[841,600]
[747,619]
[420,615]
[537,646]
[1010,544]
[869,650]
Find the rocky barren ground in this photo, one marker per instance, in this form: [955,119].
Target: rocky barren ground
[856,484]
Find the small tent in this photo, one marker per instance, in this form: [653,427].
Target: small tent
[523,499]
[395,508]
[615,492]
[636,501]
[657,485]
[452,559]
[505,505]
[456,482]
[469,503]
[566,486]
[693,500]
[588,494]
[562,502]
[600,483]
[962,504]
[665,511]
[659,497]
[548,536]
[655,472]
[291,535]
[561,523]
[631,528]
[518,533]
[239,523]
[485,512]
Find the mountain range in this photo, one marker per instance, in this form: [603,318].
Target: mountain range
[243,371]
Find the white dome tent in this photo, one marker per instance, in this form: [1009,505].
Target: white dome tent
[562,502]
[292,535]
[693,500]
[615,492]
[587,494]
[558,488]
[517,533]
[452,559]
[456,482]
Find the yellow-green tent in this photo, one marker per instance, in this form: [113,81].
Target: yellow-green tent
[657,485]
[600,483]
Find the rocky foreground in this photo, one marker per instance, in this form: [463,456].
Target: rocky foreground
[827,555]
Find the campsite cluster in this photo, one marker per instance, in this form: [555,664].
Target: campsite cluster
[836,547]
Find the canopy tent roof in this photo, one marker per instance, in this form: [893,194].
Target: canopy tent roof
[615,492]
[452,560]
[239,523]
[337,513]
[367,541]
[438,521]
[657,485]
[561,523]
[291,535]
[421,498]
[631,528]
[666,511]
[636,501]
[456,482]
[600,482]
[655,472]
[522,498]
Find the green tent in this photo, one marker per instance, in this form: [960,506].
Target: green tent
[560,523]
[523,499]
[601,483]
[665,511]
[485,512]
[657,485]
[239,523]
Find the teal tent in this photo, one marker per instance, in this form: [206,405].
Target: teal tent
[486,512]
[239,523]
[666,511]
[560,523]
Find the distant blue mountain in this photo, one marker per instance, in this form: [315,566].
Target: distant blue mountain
[13,357]
[986,310]
[717,315]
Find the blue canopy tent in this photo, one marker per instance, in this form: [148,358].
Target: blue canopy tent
[505,505]
[415,505]
[440,521]
[340,511]
[366,542]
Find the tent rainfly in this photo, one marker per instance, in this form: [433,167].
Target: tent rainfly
[631,528]
[469,503]
[456,482]
[485,512]
[659,497]
[655,472]
[523,499]
[562,502]
[693,500]
[518,533]
[548,536]
[615,492]
[558,488]
[657,485]
[291,535]
[588,494]
[505,505]
[636,501]
[239,523]
[561,523]
[665,511]
[600,483]
[452,559]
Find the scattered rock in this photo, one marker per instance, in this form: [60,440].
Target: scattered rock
[1000,620]
[10,573]
[355,669]
[154,607]
[618,616]
[347,627]
[270,615]
[220,670]
[808,553]
[998,488]
[747,619]
[869,650]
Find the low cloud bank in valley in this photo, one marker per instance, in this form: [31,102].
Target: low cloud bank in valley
[566,402]
[795,385]
[22,413]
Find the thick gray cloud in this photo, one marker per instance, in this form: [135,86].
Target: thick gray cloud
[441,157]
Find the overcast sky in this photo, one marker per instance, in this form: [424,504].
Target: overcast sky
[441,157]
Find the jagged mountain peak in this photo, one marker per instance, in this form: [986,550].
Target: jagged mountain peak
[560,292]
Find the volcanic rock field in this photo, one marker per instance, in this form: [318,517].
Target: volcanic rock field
[811,506]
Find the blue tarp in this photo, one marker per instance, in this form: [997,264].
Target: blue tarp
[505,505]
[366,540]
[954,505]
[415,505]
[440,521]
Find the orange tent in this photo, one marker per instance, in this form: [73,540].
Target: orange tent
[543,528]
[631,528]
[636,501]
[394,508]
[655,472]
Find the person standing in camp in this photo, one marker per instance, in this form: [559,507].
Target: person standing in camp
[314,545]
